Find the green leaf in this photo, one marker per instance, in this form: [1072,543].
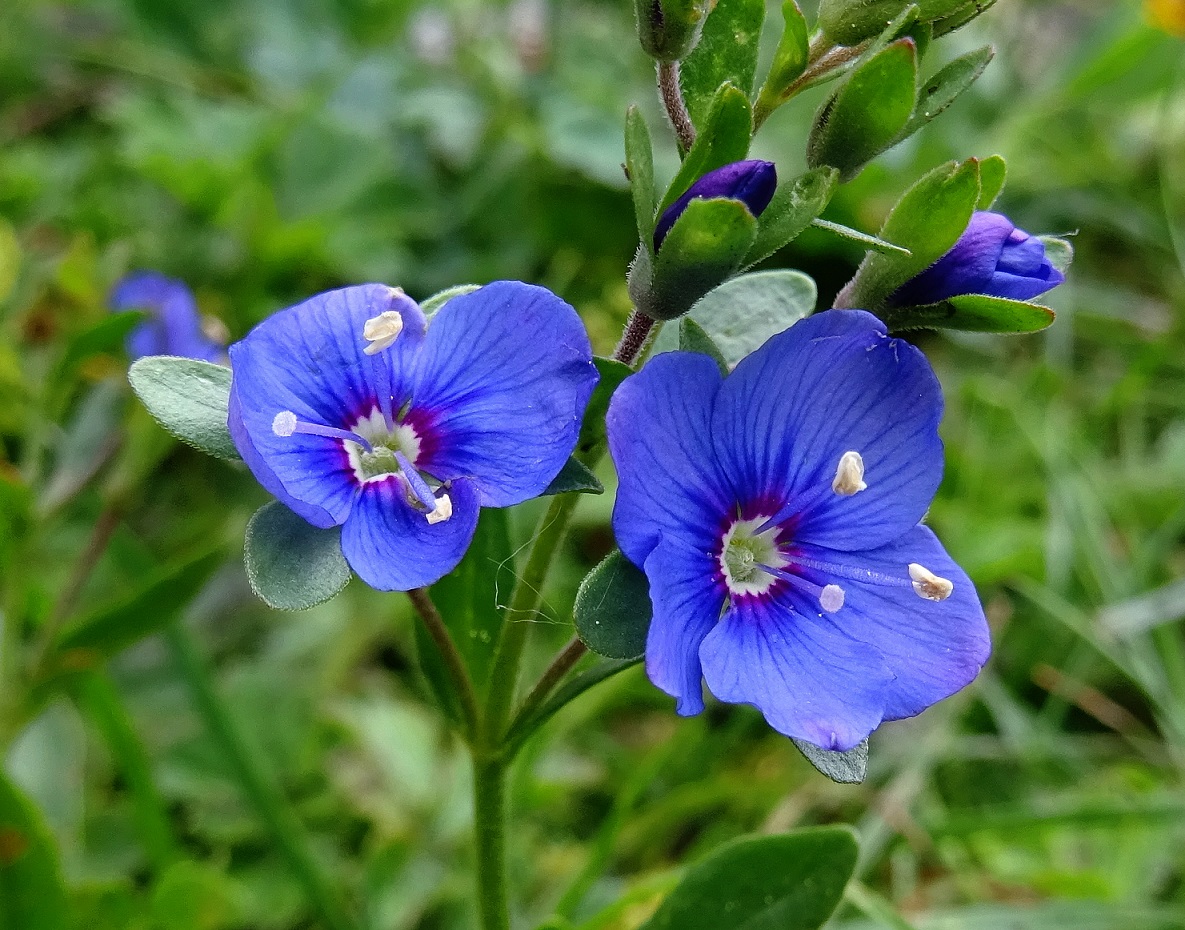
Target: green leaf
[1059,252]
[961,16]
[90,439]
[291,564]
[727,52]
[795,205]
[868,112]
[574,478]
[850,22]
[598,671]
[846,768]
[113,627]
[639,165]
[869,242]
[976,313]
[790,60]
[468,599]
[743,313]
[928,220]
[612,611]
[32,895]
[592,430]
[723,139]
[940,91]
[692,338]
[432,305]
[194,896]
[188,398]
[788,882]
[108,335]
[703,249]
[992,174]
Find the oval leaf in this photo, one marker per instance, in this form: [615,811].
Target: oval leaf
[940,91]
[612,612]
[31,891]
[291,564]
[795,205]
[789,882]
[188,398]
[726,53]
[847,768]
[639,166]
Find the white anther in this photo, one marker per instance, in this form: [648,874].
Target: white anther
[831,598]
[928,585]
[382,330]
[442,511]
[285,423]
[849,474]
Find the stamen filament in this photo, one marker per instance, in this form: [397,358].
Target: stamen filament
[829,596]
[286,423]
[419,487]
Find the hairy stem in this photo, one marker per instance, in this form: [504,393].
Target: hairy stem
[633,339]
[454,664]
[672,99]
[489,830]
[552,676]
[256,782]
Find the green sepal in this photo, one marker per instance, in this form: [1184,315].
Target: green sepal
[1059,251]
[792,881]
[790,60]
[669,29]
[291,564]
[868,112]
[968,11]
[993,172]
[612,611]
[795,205]
[639,167]
[705,247]
[927,220]
[871,243]
[845,768]
[850,22]
[944,87]
[692,338]
[432,305]
[726,53]
[723,139]
[574,478]
[975,313]
[188,398]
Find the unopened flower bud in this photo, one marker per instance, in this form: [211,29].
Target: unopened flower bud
[850,22]
[751,182]
[992,257]
[669,29]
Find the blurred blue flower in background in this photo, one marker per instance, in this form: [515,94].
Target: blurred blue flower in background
[173,325]
[751,182]
[354,412]
[776,513]
[992,257]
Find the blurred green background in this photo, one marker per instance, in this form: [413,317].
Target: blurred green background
[263,151]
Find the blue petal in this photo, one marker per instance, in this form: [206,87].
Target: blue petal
[965,269]
[687,598]
[934,648]
[392,547]
[1022,255]
[660,439]
[173,326]
[309,359]
[505,375]
[832,383]
[751,182]
[808,678]
[1025,288]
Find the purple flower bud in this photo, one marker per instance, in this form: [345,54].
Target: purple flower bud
[992,257]
[751,182]
[173,325]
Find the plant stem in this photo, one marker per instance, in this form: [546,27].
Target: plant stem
[489,830]
[255,780]
[633,339]
[454,664]
[672,99]
[101,701]
[552,676]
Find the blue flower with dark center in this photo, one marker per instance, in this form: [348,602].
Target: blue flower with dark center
[172,326]
[355,412]
[751,182]
[992,257]
[776,515]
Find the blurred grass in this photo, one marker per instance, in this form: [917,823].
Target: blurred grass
[265,151]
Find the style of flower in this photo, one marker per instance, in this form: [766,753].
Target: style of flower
[751,182]
[776,515]
[172,325]
[355,412]
[992,257]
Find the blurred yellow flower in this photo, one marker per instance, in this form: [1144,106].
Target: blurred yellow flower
[1168,15]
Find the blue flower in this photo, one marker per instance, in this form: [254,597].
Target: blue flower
[776,515]
[173,325]
[992,257]
[354,412]
[751,182]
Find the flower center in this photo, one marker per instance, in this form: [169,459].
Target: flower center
[744,554]
[385,444]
